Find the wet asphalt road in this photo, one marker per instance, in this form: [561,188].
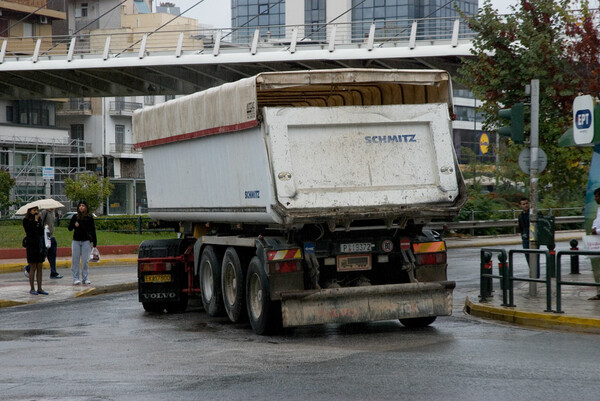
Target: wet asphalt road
[107,348]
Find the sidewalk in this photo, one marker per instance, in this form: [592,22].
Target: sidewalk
[579,313]
[112,274]
[119,273]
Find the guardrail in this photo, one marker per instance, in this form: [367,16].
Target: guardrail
[115,43]
[510,223]
[507,278]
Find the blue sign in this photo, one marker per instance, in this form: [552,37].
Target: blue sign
[583,119]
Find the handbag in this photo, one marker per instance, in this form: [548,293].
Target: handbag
[591,243]
[24,242]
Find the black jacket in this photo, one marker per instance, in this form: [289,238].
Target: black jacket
[35,246]
[524,225]
[86,230]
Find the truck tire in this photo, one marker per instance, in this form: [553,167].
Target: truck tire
[417,322]
[232,285]
[210,282]
[262,312]
[153,307]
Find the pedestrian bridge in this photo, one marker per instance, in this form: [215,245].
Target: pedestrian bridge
[164,62]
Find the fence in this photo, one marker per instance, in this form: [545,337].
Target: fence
[507,278]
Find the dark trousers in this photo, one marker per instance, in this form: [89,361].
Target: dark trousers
[52,256]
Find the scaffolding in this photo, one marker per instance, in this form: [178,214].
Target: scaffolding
[25,159]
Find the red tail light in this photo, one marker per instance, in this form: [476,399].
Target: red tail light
[430,258]
[155,267]
[285,267]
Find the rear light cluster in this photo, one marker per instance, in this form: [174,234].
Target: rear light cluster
[430,258]
[155,267]
[285,267]
[285,260]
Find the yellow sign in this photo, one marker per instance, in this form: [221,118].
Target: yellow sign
[484,143]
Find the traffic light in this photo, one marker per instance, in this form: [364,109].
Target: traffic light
[517,123]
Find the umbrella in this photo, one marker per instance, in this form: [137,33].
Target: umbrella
[41,204]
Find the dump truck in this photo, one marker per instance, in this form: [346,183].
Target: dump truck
[302,198]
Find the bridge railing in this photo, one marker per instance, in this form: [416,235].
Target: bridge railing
[110,43]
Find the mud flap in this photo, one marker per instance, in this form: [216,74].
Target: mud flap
[364,304]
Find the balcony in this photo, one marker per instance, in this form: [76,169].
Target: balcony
[120,108]
[124,150]
[75,108]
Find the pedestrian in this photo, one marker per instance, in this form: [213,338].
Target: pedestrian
[84,237]
[596,261]
[36,248]
[48,221]
[524,229]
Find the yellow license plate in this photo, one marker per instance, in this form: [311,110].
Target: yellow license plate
[157,278]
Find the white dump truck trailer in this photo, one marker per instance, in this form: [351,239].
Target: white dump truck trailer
[301,198]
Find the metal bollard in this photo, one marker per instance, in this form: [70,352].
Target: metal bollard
[503,270]
[574,258]
[551,268]
[486,282]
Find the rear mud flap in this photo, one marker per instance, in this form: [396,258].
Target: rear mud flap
[364,304]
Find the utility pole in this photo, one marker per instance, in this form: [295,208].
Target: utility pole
[533,182]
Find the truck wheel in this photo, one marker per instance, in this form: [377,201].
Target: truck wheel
[153,307]
[178,307]
[416,322]
[210,283]
[232,285]
[262,313]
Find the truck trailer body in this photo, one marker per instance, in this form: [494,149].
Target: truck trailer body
[302,197]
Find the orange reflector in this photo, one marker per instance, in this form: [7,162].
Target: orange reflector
[284,254]
[425,247]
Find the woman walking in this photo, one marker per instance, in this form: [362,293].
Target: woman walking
[36,248]
[84,237]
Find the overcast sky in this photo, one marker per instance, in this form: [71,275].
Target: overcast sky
[218,12]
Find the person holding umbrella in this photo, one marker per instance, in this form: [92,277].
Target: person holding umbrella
[84,236]
[36,249]
[46,211]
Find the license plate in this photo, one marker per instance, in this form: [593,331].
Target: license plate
[157,278]
[353,263]
[356,247]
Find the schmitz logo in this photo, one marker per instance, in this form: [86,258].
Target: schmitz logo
[390,138]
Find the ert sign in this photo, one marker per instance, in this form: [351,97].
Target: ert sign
[583,120]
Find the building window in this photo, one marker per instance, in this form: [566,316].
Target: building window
[268,15]
[119,137]
[148,100]
[28,30]
[9,114]
[77,132]
[84,9]
[315,12]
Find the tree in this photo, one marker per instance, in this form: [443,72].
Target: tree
[6,184]
[88,187]
[509,51]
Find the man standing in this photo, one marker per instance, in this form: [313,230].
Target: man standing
[596,260]
[524,224]
[48,220]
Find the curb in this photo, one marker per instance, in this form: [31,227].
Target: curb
[107,289]
[16,267]
[547,320]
